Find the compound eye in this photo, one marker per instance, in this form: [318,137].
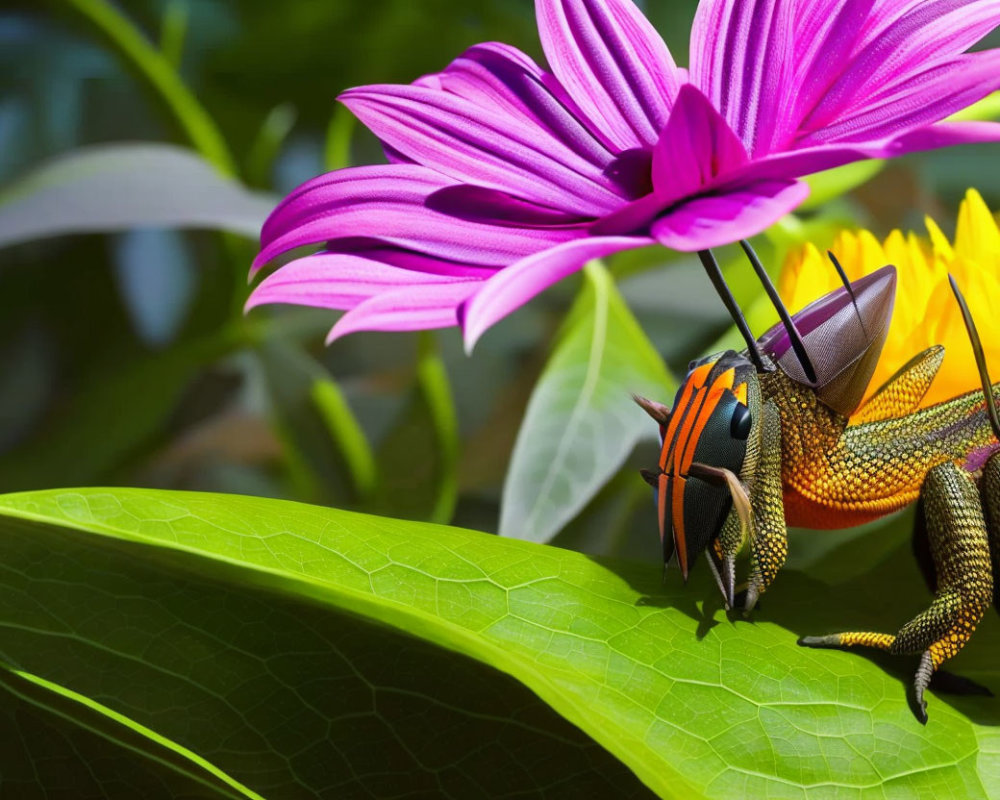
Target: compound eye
[740,425]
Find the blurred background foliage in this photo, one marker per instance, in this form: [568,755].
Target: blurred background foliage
[126,359]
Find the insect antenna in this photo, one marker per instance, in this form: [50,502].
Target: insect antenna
[977,351]
[719,282]
[850,289]
[786,319]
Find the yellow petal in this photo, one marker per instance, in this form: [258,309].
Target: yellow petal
[925,311]
[976,236]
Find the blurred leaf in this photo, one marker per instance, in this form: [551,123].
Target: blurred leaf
[123,186]
[117,414]
[26,381]
[418,459]
[287,693]
[272,134]
[833,183]
[581,424]
[611,523]
[114,753]
[325,448]
[161,75]
[694,704]
[157,280]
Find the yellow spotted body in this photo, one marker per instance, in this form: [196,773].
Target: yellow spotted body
[840,472]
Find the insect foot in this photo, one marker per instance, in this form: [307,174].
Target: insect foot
[959,544]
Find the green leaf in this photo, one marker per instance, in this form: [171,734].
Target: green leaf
[139,185]
[167,656]
[694,704]
[580,424]
[53,722]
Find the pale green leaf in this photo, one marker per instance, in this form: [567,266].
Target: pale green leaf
[580,424]
[139,185]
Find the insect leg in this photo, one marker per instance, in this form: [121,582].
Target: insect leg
[769,538]
[989,488]
[957,534]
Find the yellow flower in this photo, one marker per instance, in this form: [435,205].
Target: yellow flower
[926,312]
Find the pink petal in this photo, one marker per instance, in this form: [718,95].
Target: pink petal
[695,147]
[498,77]
[808,160]
[413,308]
[614,65]
[864,68]
[488,147]
[390,202]
[824,28]
[716,220]
[913,101]
[342,281]
[511,288]
[477,204]
[743,59]
[944,27]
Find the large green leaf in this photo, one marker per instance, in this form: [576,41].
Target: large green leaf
[185,674]
[692,703]
[580,425]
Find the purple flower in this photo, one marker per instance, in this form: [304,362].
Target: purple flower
[506,177]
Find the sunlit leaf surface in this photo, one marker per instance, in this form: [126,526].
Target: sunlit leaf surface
[231,611]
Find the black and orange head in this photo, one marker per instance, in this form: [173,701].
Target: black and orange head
[703,437]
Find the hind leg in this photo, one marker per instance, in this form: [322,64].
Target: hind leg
[989,488]
[960,551]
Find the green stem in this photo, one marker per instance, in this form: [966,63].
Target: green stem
[347,434]
[173,32]
[158,71]
[436,388]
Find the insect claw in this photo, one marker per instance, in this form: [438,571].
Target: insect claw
[729,578]
[718,582]
[920,682]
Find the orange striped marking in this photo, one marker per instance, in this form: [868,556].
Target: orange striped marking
[661,501]
[680,540]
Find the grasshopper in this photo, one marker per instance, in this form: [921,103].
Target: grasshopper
[776,435]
